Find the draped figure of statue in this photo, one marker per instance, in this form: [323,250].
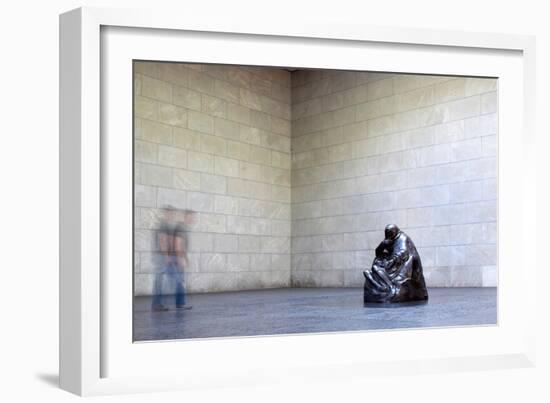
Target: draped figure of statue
[396,272]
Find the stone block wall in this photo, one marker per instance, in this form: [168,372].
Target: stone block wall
[295,175]
[215,139]
[370,149]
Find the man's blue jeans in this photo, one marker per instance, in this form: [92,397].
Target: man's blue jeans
[173,275]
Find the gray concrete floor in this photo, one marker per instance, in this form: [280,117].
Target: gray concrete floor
[307,310]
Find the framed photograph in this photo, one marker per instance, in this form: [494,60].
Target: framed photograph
[245,203]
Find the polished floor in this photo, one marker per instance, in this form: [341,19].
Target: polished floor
[307,310]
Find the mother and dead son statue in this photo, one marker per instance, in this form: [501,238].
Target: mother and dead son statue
[396,272]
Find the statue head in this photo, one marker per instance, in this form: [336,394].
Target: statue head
[391,232]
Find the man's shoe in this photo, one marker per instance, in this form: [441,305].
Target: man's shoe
[160,308]
[186,307]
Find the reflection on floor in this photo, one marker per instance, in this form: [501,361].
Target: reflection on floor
[307,310]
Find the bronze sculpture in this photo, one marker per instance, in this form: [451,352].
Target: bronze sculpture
[396,273]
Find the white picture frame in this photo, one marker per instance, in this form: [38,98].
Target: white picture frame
[96,355]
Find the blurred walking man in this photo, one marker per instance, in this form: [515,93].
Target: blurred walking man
[171,244]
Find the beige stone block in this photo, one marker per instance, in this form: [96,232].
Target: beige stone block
[465,108]
[365,147]
[466,276]
[238,113]
[379,89]
[408,82]
[280,228]
[200,122]
[275,141]
[280,93]
[280,193]
[186,180]
[213,106]
[367,184]
[238,187]
[258,263]
[226,243]
[172,156]
[226,129]
[342,117]
[450,90]
[260,85]
[475,86]
[355,131]
[449,132]
[213,262]
[489,146]
[226,166]
[421,197]
[489,102]
[225,205]
[248,243]
[260,191]
[467,149]
[212,223]
[201,242]
[187,98]
[172,115]
[143,284]
[415,99]
[451,255]
[356,95]
[332,136]
[249,135]
[238,262]
[340,152]
[260,120]
[380,126]
[328,103]
[227,91]
[156,89]
[201,82]
[434,155]
[155,175]
[250,171]
[238,150]
[280,160]
[418,138]
[250,99]
[481,125]
[200,162]
[406,120]
[201,202]
[187,139]
[279,176]
[213,183]
[171,197]
[213,145]
[280,126]
[146,108]
[174,73]
[239,76]
[422,176]
[238,225]
[379,201]
[342,81]
[145,152]
[146,68]
[155,132]
[145,196]
[218,71]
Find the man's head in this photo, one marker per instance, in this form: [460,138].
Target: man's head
[391,232]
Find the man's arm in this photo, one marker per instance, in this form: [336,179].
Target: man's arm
[181,249]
